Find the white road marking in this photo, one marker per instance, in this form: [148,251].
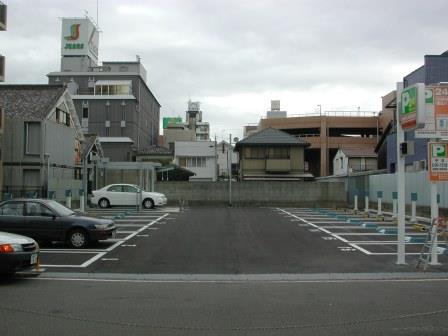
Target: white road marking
[109,259]
[329,233]
[144,235]
[119,242]
[128,245]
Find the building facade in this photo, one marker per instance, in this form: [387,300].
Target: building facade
[348,161]
[199,157]
[225,151]
[271,154]
[111,100]
[42,141]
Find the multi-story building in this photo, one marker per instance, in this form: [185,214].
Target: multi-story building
[433,72]
[112,99]
[193,129]
[327,133]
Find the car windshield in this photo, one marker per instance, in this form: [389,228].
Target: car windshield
[60,209]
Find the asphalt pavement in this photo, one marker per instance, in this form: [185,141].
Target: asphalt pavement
[131,307]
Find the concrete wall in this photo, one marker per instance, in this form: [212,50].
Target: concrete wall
[269,193]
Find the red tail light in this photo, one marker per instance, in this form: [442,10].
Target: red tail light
[6,248]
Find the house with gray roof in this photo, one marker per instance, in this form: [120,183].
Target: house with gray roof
[42,141]
[272,154]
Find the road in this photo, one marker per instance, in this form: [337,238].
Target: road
[237,271]
[138,307]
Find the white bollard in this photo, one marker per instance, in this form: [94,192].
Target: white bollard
[394,208]
[68,199]
[413,207]
[356,203]
[81,202]
[380,212]
[366,200]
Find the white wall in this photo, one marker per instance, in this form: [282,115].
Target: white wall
[204,149]
[223,157]
[417,182]
[337,170]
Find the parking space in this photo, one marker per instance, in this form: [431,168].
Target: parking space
[131,224]
[370,235]
[222,240]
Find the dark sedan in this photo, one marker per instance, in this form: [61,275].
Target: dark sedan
[48,220]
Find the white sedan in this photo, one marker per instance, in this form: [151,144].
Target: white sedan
[126,194]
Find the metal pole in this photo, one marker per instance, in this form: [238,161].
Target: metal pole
[401,256]
[356,203]
[48,175]
[366,201]
[229,159]
[434,217]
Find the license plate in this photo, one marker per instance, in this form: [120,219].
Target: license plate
[33,260]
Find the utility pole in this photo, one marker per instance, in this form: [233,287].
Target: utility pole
[401,260]
[229,160]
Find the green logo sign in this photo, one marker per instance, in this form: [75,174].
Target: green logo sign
[74,46]
[429,96]
[171,120]
[409,101]
[438,150]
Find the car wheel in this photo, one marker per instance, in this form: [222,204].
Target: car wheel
[78,238]
[148,203]
[103,203]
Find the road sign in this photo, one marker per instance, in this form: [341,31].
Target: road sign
[412,113]
[438,161]
[436,113]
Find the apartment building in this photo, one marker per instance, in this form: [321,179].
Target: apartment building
[112,99]
[3,20]
[198,157]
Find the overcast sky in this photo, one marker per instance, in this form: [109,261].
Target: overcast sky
[234,56]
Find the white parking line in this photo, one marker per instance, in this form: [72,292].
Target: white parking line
[101,254]
[329,233]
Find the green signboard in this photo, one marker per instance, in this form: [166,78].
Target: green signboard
[409,101]
[170,121]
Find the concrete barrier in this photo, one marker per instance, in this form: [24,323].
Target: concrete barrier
[274,193]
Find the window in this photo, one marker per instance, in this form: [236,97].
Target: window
[193,161]
[256,153]
[37,209]
[116,188]
[85,112]
[342,163]
[129,189]
[32,138]
[279,153]
[12,209]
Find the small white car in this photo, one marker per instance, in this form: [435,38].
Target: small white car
[126,194]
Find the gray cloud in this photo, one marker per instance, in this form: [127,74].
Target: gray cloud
[340,54]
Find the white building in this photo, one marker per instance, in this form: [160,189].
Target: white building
[198,157]
[352,160]
[223,157]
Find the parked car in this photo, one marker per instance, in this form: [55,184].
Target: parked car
[17,253]
[126,194]
[48,220]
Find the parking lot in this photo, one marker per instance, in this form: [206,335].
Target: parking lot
[221,240]
[131,225]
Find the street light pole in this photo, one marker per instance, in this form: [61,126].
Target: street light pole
[229,159]
[48,174]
